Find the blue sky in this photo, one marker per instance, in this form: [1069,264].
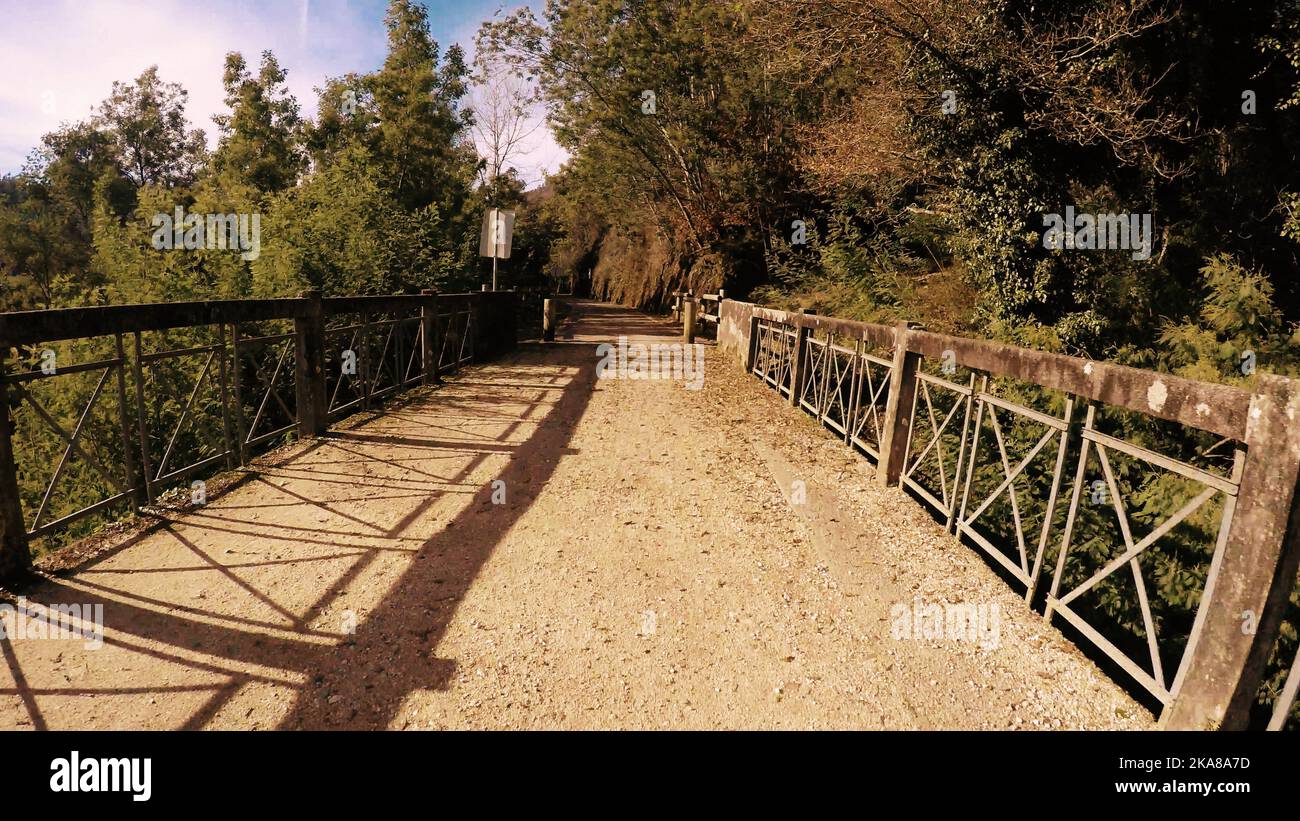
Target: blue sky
[60,57]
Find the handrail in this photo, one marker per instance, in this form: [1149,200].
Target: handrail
[1220,409]
[1255,560]
[373,357]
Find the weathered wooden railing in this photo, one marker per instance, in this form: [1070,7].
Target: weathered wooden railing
[697,312]
[251,374]
[945,438]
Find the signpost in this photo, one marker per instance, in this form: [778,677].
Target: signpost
[494,239]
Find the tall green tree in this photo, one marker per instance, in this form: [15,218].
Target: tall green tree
[260,138]
[154,143]
[421,127]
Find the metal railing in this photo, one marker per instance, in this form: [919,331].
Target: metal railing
[995,469]
[202,386]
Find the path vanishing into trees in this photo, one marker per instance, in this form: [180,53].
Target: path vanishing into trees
[646,570]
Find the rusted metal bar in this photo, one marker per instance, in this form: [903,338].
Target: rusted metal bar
[15,554]
[142,423]
[241,429]
[470,337]
[158,356]
[223,374]
[64,521]
[309,367]
[399,369]
[266,338]
[266,397]
[1282,709]
[385,304]
[475,328]
[850,412]
[24,327]
[70,449]
[124,422]
[63,370]
[974,451]
[429,336]
[363,365]
[1257,571]
[1058,473]
[185,414]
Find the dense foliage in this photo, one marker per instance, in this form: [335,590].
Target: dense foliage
[377,195]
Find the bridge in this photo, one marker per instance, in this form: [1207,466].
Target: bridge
[407,514]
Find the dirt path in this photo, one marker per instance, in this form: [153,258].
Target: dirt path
[644,570]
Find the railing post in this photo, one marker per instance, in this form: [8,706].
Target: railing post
[15,554]
[548,320]
[898,409]
[129,444]
[799,360]
[309,362]
[429,336]
[751,353]
[689,309]
[1255,572]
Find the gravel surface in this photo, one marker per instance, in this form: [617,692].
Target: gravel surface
[645,569]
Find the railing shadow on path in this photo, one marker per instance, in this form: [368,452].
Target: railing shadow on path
[409,491]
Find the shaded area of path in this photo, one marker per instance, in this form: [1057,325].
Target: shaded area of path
[529,546]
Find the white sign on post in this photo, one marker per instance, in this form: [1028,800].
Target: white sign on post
[498,230]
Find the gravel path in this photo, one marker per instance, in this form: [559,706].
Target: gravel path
[645,569]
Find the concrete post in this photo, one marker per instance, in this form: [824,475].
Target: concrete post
[1225,660]
[798,361]
[898,409]
[548,320]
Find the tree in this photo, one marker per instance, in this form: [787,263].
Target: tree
[673,124]
[503,105]
[420,125]
[345,118]
[260,136]
[146,119]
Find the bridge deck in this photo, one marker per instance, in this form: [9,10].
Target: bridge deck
[645,570]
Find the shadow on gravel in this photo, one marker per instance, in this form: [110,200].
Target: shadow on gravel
[355,681]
